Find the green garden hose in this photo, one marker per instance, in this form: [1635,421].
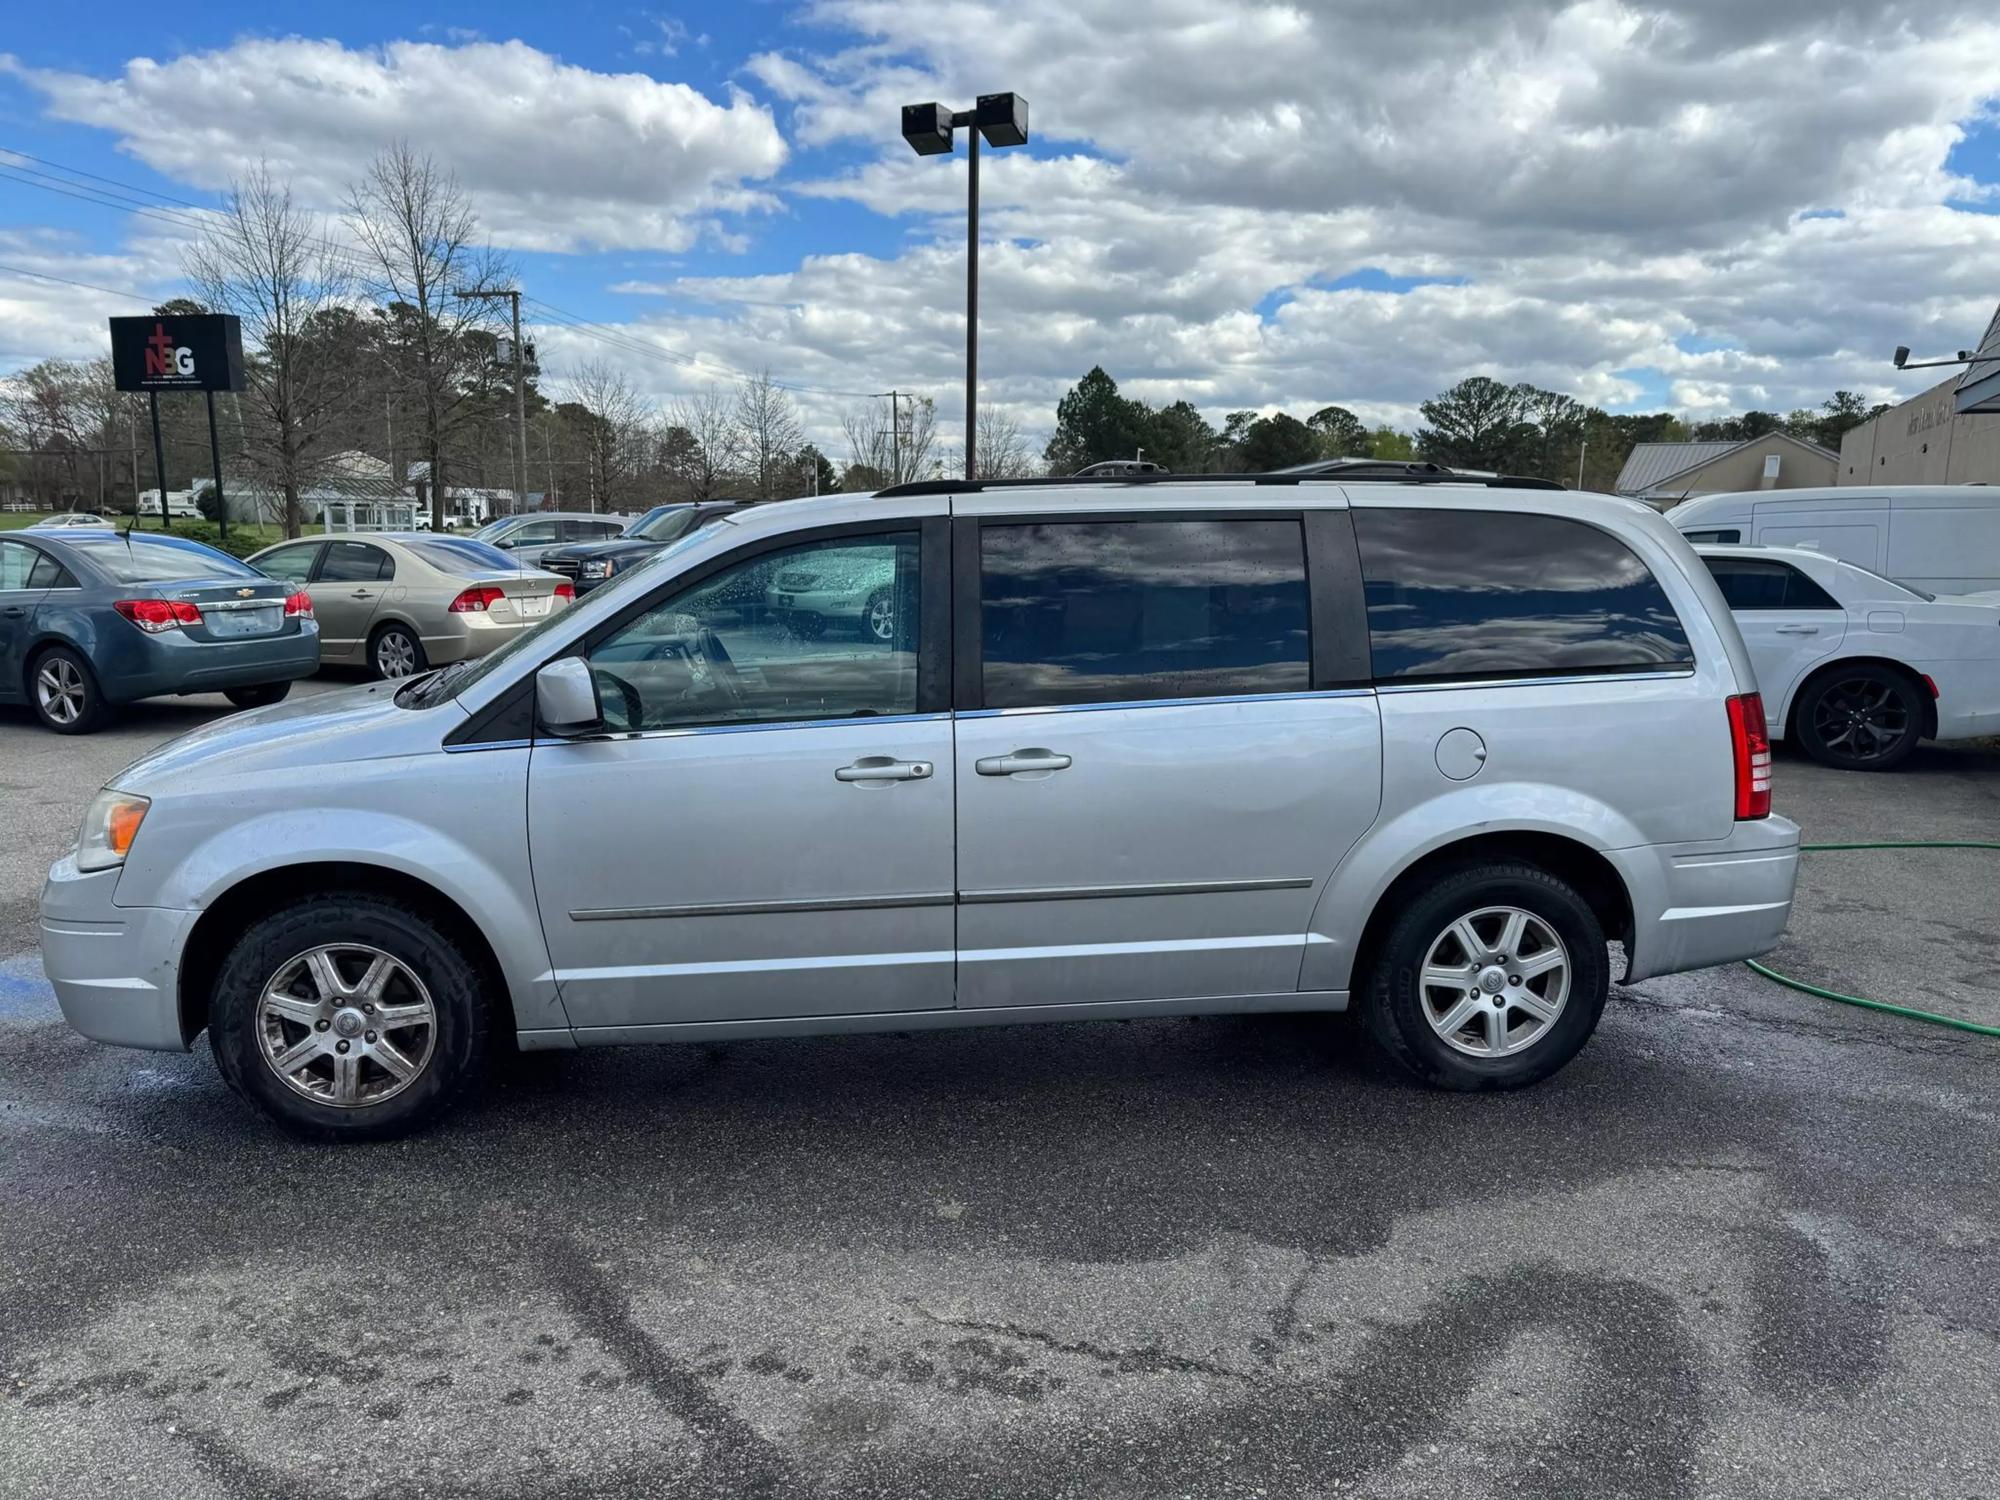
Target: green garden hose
[1908,1011]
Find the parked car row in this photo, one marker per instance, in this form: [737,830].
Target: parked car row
[92,618]
[1419,747]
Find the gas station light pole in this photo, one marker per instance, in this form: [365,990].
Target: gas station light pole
[1003,120]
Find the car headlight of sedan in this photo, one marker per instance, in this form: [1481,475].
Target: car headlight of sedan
[600,568]
[109,828]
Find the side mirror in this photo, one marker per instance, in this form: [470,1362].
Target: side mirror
[566,701]
[504,545]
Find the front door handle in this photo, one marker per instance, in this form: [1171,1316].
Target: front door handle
[1021,760]
[362,594]
[883,768]
[1798,630]
[16,609]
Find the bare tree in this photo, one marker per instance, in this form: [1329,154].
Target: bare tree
[616,436]
[770,432]
[878,445]
[704,443]
[268,261]
[63,411]
[418,229]
[1003,453]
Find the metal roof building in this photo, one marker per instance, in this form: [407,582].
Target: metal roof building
[1663,474]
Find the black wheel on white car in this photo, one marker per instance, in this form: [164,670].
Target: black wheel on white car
[263,695]
[348,1017]
[1860,718]
[1491,978]
[395,651]
[64,692]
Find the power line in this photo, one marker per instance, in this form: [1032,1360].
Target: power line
[85,285]
[557,316]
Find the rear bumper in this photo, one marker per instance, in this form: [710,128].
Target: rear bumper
[1694,905]
[170,663]
[115,969]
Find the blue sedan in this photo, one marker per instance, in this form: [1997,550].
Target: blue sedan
[93,619]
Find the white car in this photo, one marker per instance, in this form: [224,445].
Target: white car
[73,518]
[1857,668]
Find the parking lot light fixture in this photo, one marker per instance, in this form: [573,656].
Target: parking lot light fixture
[1003,120]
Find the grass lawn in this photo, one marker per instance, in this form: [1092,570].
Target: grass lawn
[261,533]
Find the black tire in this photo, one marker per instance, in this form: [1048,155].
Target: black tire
[1859,718]
[64,693]
[1396,1009]
[261,696]
[401,645]
[457,1048]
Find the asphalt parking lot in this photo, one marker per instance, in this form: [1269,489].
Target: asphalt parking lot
[1743,1246]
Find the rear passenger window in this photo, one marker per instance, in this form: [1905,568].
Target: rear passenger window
[355,562]
[1751,584]
[1472,594]
[1130,611]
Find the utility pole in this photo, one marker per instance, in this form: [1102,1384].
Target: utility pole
[520,444]
[1580,452]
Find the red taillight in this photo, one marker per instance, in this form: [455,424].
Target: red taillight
[1750,743]
[476,599]
[299,606]
[156,616]
[566,591]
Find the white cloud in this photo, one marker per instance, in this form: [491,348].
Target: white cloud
[556,157]
[1616,190]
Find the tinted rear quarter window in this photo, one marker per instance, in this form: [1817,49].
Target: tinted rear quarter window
[1476,594]
[1131,611]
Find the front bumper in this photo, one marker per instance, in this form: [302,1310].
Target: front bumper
[1694,905]
[115,969]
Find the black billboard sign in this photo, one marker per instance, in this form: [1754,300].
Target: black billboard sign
[201,352]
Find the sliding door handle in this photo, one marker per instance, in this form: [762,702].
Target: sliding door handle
[1021,760]
[883,768]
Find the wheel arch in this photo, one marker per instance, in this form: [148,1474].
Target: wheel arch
[222,922]
[1831,665]
[1562,855]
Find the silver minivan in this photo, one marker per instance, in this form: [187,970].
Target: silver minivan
[1124,748]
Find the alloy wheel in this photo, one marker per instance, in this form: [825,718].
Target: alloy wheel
[346,1024]
[395,654]
[60,690]
[882,618]
[1861,718]
[1495,981]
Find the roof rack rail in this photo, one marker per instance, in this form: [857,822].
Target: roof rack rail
[1366,472]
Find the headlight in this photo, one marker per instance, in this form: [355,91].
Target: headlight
[109,828]
[602,569]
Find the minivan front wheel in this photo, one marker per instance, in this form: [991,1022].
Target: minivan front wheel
[1491,978]
[348,1017]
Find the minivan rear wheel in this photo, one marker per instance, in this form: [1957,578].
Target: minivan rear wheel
[348,1017]
[1492,978]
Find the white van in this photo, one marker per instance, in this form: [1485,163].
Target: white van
[1943,538]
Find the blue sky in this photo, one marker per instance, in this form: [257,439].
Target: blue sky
[1605,198]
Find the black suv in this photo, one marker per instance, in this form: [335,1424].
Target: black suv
[592,563]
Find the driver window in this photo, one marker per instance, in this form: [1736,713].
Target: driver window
[822,631]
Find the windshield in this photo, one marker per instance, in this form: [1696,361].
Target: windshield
[1895,583]
[664,525]
[460,675]
[492,529]
[157,559]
